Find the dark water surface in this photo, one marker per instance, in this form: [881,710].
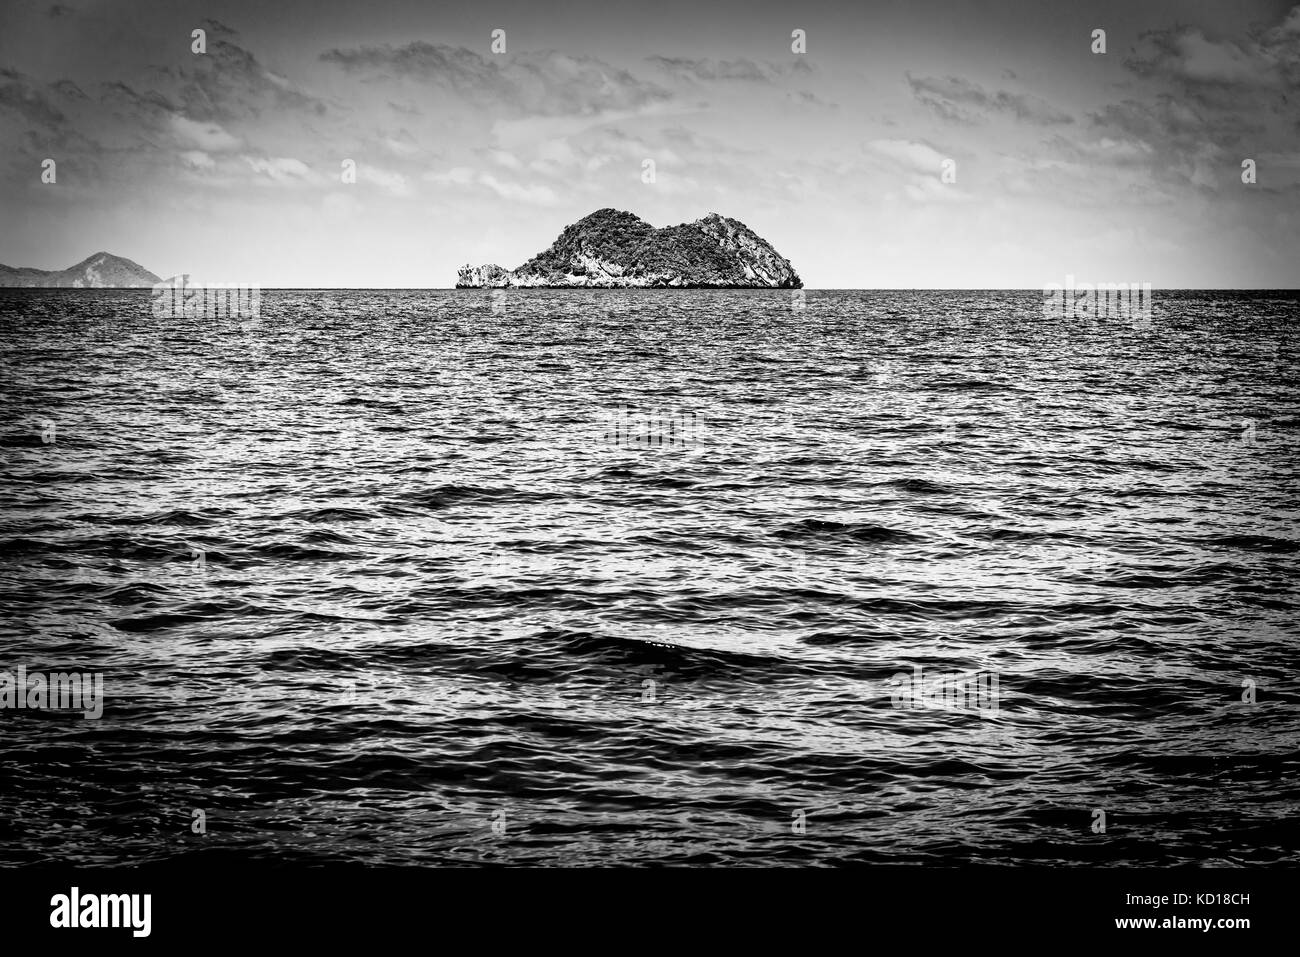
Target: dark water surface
[368,577]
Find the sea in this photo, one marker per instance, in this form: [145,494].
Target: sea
[650,577]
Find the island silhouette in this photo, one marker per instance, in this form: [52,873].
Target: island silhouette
[612,248]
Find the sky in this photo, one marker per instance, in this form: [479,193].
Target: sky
[911,144]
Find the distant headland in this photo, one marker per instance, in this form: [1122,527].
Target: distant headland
[615,249]
[100,271]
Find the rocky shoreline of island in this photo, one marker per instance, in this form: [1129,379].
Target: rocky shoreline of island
[615,249]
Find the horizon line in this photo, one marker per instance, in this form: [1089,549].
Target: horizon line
[1295,288]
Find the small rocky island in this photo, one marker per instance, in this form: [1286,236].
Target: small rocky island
[615,249]
[100,271]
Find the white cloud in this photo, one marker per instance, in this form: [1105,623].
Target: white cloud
[400,147]
[512,134]
[206,136]
[921,168]
[387,180]
[536,194]
[503,158]
[198,159]
[915,156]
[281,169]
[456,176]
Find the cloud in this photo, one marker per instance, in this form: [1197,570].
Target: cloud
[206,136]
[387,180]
[916,157]
[506,159]
[52,120]
[740,70]
[920,167]
[698,72]
[198,159]
[517,134]
[135,127]
[1163,117]
[536,194]
[1104,150]
[228,83]
[1177,142]
[1256,74]
[401,144]
[456,176]
[803,97]
[18,92]
[1094,166]
[281,169]
[576,157]
[1201,65]
[546,83]
[961,101]
[1207,102]
[930,189]
[1291,25]
[149,107]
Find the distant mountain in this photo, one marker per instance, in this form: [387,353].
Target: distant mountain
[613,249]
[100,271]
